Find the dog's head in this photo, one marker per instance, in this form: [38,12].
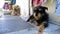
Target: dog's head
[39,11]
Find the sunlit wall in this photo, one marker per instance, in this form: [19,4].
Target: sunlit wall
[24,6]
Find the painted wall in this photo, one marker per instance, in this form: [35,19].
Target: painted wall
[24,7]
[1,7]
[51,10]
[1,3]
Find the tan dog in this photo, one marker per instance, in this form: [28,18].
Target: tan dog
[16,11]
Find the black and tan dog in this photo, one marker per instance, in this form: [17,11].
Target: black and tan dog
[40,18]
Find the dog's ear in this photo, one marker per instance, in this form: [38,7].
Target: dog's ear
[45,8]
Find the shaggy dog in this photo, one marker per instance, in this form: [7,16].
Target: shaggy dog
[16,11]
[39,17]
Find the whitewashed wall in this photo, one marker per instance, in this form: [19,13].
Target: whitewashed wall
[1,3]
[1,7]
[51,10]
[24,6]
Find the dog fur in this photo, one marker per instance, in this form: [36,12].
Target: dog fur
[39,17]
[16,11]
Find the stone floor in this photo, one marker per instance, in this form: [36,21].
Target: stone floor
[17,25]
[52,29]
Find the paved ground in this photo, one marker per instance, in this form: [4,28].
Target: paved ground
[52,29]
[13,23]
[16,25]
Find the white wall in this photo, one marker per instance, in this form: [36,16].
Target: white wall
[24,7]
[1,7]
[51,10]
[1,3]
